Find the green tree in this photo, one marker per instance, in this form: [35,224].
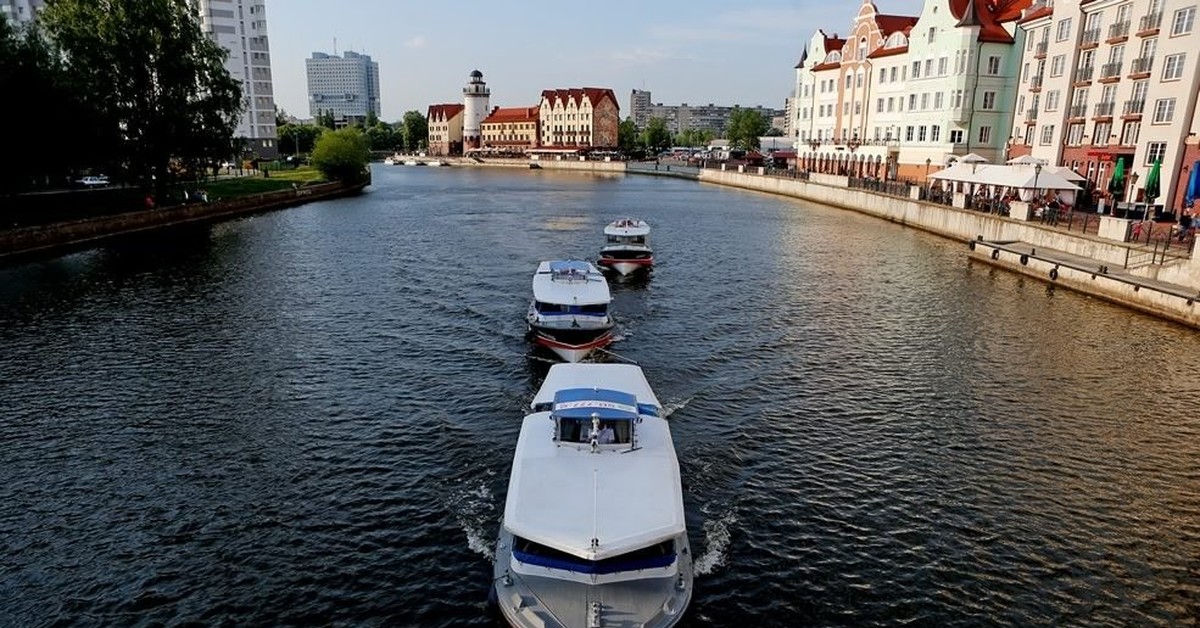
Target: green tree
[744,128]
[342,155]
[372,119]
[416,130]
[154,83]
[627,135]
[383,136]
[297,139]
[774,132]
[694,137]
[326,119]
[656,137]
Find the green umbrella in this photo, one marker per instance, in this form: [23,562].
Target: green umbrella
[1152,184]
[1116,185]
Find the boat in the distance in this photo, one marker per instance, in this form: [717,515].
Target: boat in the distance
[627,249]
[569,311]
[594,532]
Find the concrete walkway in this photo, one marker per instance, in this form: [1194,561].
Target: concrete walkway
[1089,265]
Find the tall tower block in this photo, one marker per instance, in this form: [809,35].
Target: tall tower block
[476,99]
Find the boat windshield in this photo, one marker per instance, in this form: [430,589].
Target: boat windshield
[611,432]
[616,239]
[655,556]
[595,309]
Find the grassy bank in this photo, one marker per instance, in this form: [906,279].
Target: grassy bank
[257,184]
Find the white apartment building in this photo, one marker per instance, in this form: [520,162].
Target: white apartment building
[1109,80]
[240,27]
[20,11]
[347,85]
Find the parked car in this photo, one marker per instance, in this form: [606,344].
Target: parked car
[93,181]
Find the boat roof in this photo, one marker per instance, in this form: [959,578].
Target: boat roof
[571,282]
[627,227]
[583,403]
[627,378]
[595,505]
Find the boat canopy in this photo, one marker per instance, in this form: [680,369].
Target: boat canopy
[627,227]
[569,270]
[571,282]
[628,377]
[582,403]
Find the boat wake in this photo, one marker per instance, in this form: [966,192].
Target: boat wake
[473,505]
[716,543]
[670,408]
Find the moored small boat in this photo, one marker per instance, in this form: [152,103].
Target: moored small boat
[594,532]
[627,249]
[569,311]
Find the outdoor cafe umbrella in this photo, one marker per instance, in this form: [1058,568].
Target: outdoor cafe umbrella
[1193,186]
[1152,184]
[1028,160]
[1116,185]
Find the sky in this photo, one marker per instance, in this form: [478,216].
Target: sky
[693,51]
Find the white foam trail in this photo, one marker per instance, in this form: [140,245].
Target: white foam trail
[716,543]
[671,408]
[471,505]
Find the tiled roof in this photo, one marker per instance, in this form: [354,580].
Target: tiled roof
[826,66]
[888,52]
[594,94]
[512,114]
[889,24]
[443,112]
[989,16]
[1037,13]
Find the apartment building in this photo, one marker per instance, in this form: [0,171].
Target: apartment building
[19,12]
[586,117]
[347,85]
[240,27]
[912,92]
[1104,81]
[445,124]
[511,129]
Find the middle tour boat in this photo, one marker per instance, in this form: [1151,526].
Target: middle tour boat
[594,532]
[626,249]
[569,311]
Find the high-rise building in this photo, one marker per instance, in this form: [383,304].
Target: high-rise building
[20,11]
[639,107]
[240,27]
[347,85]
[679,118]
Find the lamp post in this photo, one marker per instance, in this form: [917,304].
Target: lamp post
[928,162]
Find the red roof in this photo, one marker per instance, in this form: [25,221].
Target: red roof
[512,114]
[594,95]
[888,52]
[443,112]
[989,16]
[889,24]
[834,43]
[1037,14]
[826,66]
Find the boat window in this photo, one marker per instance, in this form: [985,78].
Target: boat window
[598,308]
[580,431]
[655,556]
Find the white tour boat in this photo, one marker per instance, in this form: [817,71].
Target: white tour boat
[569,311]
[626,249]
[594,532]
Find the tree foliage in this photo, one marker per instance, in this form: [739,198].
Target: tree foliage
[655,136]
[694,137]
[745,127]
[342,155]
[627,135]
[416,131]
[295,139]
[153,84]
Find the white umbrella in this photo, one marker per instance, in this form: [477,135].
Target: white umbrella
[973,158]
[1026,160]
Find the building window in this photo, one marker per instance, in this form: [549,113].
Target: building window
[989,101]
[908,134]
[993,66]
[1184,19]
[879,106]
[1057,65]
[929,67]
[912,102]
[938,100]
[943,62]
[1173,67]
[892,75]
[956,136]
[925,101]
[1075,135]
[932,33]
[935,133]
[916,69]
[1064,30]
[1047,134]
[882,75]
[1164,110]
[985,134]
[1052,100]
[1129,133]
[1025,73]
[1155,151]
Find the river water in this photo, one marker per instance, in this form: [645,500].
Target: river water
[308,417]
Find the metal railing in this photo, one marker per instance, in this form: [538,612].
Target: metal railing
[1118,30]
[891,188]
[1090,38]
[1104,109]
[1036,82]
[1141,65]
[1110,70]
[1150,22]
[1077,111]
[1040,50]
[1084,74]
[1133,107]
[1031,114]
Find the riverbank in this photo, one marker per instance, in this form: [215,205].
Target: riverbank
[58,238]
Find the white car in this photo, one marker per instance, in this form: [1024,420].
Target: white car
[93,181]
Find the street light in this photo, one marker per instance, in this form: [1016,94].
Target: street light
[928,162]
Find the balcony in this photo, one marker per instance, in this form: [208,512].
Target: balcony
[1110,72]
[1104,109]
[1040,51]
[1118,33]
[1140,68]
[1134,108]
[1077,112]
[1090,39]
[1035,83]
[1084,75]
[1149,24]
[1031,116]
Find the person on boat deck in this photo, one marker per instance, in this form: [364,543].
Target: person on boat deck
[606,435]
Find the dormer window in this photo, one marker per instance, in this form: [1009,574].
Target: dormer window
[862,48]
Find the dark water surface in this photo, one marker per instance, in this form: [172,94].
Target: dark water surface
[308,417]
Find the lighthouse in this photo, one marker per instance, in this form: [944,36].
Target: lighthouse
[476,100]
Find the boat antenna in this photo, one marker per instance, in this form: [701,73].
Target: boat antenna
[595,517]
